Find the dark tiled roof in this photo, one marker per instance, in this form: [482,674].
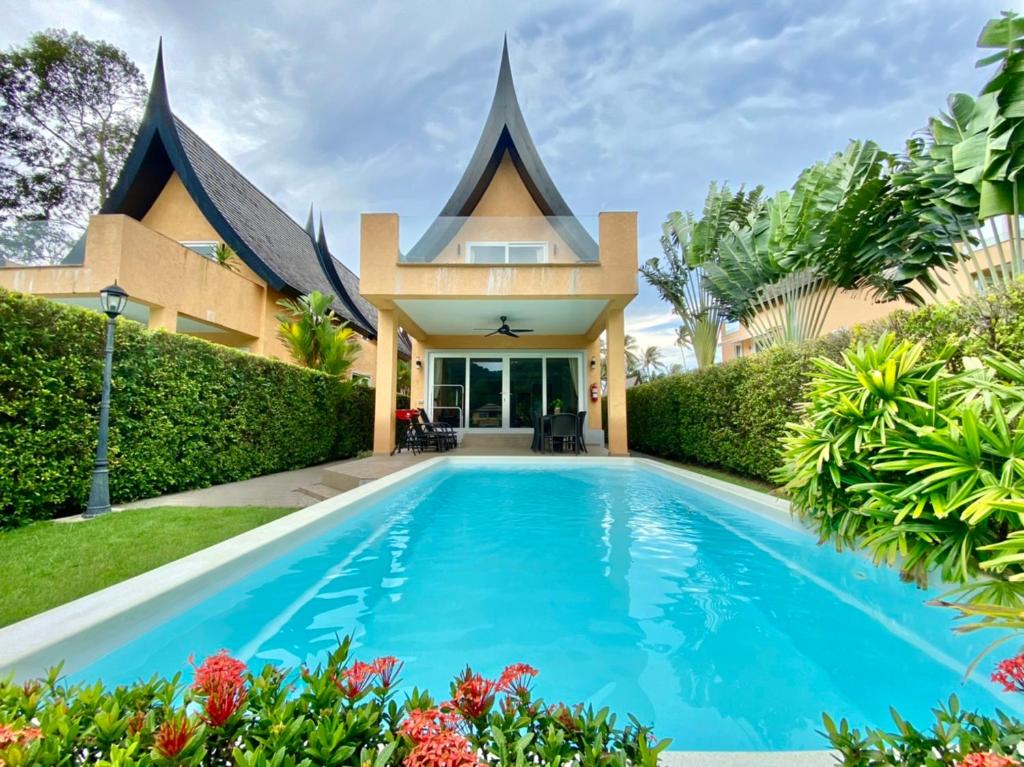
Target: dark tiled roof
[274,236]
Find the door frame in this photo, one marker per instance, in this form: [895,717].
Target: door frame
[505,355]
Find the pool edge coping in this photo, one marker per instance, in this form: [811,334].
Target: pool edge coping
[38,635]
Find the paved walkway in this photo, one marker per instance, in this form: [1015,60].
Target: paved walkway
[304,487]
[281,489]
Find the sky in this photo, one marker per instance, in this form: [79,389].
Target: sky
[377,106]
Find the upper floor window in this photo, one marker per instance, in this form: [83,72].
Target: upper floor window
[206,248]
[507,252]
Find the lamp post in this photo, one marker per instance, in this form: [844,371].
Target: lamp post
[113,299]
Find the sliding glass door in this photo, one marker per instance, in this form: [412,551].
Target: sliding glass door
[492,391]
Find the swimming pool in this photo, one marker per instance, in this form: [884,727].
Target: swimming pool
[720,622]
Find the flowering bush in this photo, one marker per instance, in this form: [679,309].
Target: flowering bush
[342,713]
[957,739]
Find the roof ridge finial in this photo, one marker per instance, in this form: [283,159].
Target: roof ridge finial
[158,87]
[321,237]
[309,223]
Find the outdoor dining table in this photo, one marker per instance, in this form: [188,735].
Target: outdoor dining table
[542,427]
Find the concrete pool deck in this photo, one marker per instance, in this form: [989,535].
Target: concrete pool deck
[300,488]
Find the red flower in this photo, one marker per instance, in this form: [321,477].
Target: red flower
[445,749]
[222,702]
[517,679]
[216,670]
[986,760]
[10,736]
[172,737]
[474,695]
[387,670]
[423,724]
[221,679]
[1010,673]
[356,681]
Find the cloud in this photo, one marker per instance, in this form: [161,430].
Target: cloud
[377,106]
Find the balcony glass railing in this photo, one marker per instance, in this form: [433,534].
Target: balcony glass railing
[39,243]
[498,240]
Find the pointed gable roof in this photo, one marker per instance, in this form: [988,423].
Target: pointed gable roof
[266,239]
[504,131]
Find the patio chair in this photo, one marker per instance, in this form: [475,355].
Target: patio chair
[444,431]
[426,437]
[581,418]
[563,433]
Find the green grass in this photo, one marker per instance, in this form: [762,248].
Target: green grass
[722,474]
[46,564]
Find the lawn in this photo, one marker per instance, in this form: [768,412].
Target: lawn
[49,563]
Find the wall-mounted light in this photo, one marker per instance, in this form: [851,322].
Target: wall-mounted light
[419,364]
[593,363]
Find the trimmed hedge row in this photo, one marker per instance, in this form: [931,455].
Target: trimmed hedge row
[732,415]
[185,413]
[728,415]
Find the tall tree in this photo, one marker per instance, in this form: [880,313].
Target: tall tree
[69,109]
[688,244]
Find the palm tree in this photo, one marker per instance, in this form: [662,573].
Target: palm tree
[632,359]
[688,244]
[314,335]
[651,363]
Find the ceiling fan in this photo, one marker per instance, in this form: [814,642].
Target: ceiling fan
[505,330]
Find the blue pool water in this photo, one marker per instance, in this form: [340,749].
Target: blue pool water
[726,629]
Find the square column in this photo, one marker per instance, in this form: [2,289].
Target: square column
[163,318]
[618,443]
[417,375]
[386,382]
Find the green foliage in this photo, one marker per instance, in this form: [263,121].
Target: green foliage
[69,108]
[955,735]
[315,336]
[184,413]
[921,466]
[731,415]
[971,327]
[339,714]
[688,243]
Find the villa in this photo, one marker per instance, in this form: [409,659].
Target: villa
[175,202]
[504,297]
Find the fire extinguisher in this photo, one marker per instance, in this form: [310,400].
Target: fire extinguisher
[594,396]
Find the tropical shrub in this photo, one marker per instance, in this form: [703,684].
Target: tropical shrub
[731,415]
[184,413]
[340,713]
[315,336]
[922,466]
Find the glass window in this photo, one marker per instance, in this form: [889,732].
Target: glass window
[563,383]
[485,383]
[449,400]
[204,248]
[487,254]
[526,253]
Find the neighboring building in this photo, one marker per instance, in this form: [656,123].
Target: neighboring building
[506,245]
[848,308]
[176,200]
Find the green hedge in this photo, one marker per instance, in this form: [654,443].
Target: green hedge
[730,415]
[184,413]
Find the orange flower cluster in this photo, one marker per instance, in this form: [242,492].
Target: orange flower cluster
[987,760]
[437,733]
[360,677]
[221,680]
[11,736]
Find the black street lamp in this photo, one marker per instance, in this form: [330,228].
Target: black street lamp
[113,299]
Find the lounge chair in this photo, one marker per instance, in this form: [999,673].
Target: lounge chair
[445,434]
